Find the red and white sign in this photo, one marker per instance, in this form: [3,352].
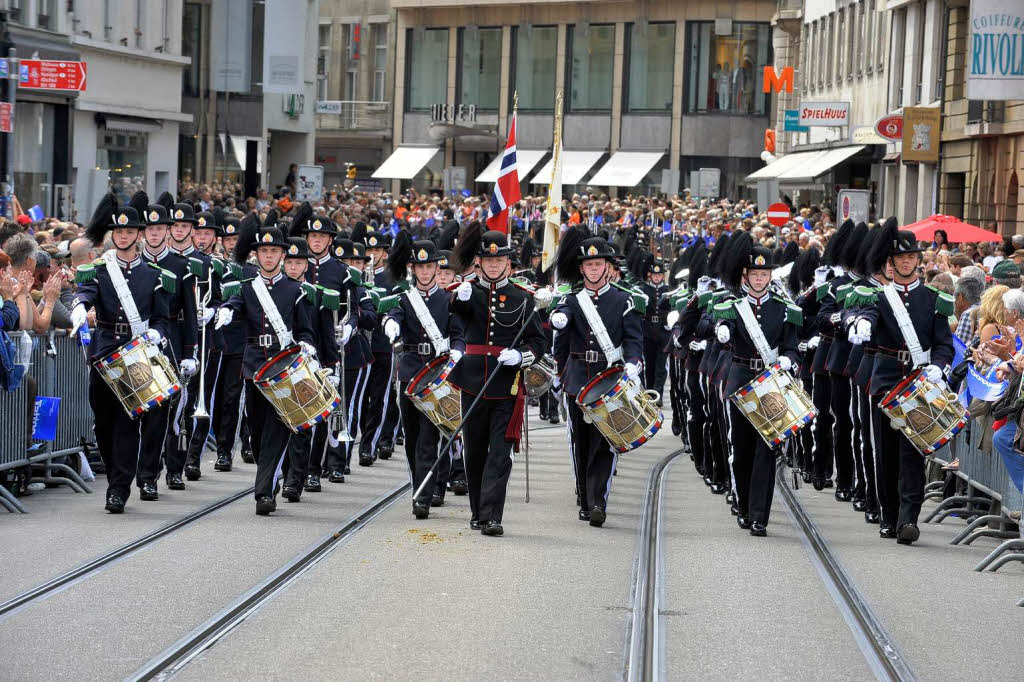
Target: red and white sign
[890,127]
[822,114]
[6,117]
[50,74]
[778,214]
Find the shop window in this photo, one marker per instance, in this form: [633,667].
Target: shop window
[426,81]
[725,67]
[592,50]
[535,50]
[123,155]
[650,51]
[33,154]
[480,67]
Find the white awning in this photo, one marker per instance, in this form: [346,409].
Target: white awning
[574,166]
[405,162]
[526,159]
[626,169]
[803,166]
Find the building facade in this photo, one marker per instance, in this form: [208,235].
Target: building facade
[126,122]
[648,86]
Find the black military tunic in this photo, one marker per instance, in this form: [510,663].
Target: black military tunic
[379,419]
[655,337]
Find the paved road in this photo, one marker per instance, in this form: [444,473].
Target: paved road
[430,599]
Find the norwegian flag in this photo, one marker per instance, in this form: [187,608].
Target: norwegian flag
[506,189]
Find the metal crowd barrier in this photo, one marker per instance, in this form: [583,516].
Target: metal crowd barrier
[57,369]
[989,495]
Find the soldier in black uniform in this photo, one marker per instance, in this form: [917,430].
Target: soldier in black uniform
[118,437]
[530,257]
[747,272]
[583,262]
[899,466]
[457,477]
[269,434]
[655,336]
[685,337]
[801,288]
[417,349]
[179,348]
[493,311]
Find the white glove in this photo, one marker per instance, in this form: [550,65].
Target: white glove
[154,336]
[334,379]
[188,367]
[455,355]
[78,317]
[722,332]
[785,364]
[860,332]
[307,349]
[556,382]
[632,371]
[464,291]
[345,333]
[813,342]
[675,342]
[510,357]
[694,345]
[559,320]
[702,345]
[703,284]
[671,319]
[391,329]
[933,373]
[820,275]
[224,317]
[835,318]
[802,346]
[208,315]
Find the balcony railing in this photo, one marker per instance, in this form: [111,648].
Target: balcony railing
[352,115]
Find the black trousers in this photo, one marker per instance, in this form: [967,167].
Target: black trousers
[753,467]
[296,465]
[199,429]
[548,405]
[899,470]
[822,427]
[805,439]
[380,411]
[593,459]
[269,437]
[327,453]
[118,436]
[174,454]
[154,432]
[842,431]
[488,455]
[867,459]
[697,419]
[457,462]
[421,441]
[655,367]
[713,428]
[227,398]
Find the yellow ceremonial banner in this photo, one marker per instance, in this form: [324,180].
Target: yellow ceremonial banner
[553,210]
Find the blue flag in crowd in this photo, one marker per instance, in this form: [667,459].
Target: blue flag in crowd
[959,347]
[599,220]
[429,222]
[44,422]
[36,213]
[466,192]
[985,388]
[394,227]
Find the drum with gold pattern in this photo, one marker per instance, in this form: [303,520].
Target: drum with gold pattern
[301,396]
[775,404]
[625,414]
[928,414]
[435,396]
[139,375]
[537,378]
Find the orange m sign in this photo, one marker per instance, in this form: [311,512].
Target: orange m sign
[775,83]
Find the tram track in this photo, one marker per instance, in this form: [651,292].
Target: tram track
[102,562]
[173,659]
[645,655]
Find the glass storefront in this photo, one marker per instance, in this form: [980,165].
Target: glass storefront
[650,50]
[592,50]
[33,154]
[123,155]
[724,72]
[427,68]
[480,67]
[534,63]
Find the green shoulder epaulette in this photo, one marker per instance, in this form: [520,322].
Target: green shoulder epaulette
[218,266]
[822,291]
[375,295]
[309,291]
[794,314]
[196,267]
[235,270]
[638,297]
[329,298]
[403,285]
[523,283]
[842,292]
[724,310]
[705,298]
[85,273]
[388,303]
[943,302]
[356,274]
[168,280]
[861,296]
[230,289]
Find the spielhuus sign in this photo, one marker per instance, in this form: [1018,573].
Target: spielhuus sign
[995,61]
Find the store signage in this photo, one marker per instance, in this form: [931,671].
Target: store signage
[890,127]
[866,135]
[824,114]
[921,143]
[995,60]
[6,117]
[773,81]
[854,204]
[448,113]
[327,107]
[791,122]
[51,74]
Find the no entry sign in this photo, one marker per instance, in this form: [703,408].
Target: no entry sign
[778,214]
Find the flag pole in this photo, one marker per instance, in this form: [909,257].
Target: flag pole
[515,108]
[553,207]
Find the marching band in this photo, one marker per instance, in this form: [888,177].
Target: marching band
[310,340]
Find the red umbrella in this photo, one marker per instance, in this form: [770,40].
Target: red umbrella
[956,230]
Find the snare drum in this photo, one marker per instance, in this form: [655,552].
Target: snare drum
[625,414]
[435,396]
[139,375]
[775,405]
[928,414]
[537,378]
[301,396]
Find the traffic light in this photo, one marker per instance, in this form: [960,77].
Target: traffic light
[351,173]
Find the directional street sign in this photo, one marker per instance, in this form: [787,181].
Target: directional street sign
[6,117]
[51,74]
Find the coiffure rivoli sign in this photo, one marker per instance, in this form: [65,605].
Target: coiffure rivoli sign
[824,114]
[995,63]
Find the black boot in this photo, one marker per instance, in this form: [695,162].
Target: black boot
[265,505]
[192,472]
[115,504]
[312,484]
[174,482]
[148,492]
[223,463]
